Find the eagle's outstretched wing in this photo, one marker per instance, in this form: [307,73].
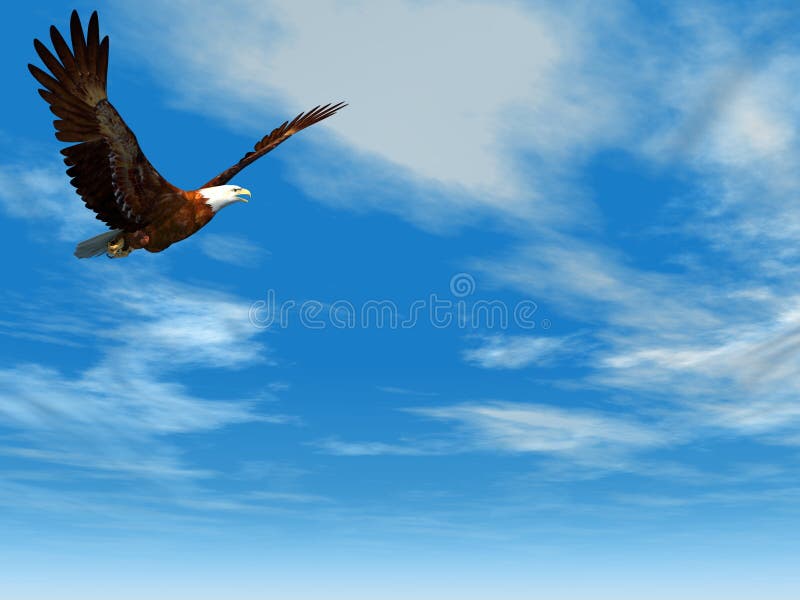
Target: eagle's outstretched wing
[275,137]
[107,167]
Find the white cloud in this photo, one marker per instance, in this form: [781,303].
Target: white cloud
[401,391]
[513,352]
[721,357]
[732,362]
[343,448]
[192,327]
[118,410]
[516,427]
[577,436]
[431,115]
[728,114]
[592,281]
[231,249]
[736,377]
[43,193]
[38,398]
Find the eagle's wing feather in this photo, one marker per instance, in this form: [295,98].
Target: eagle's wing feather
[107,166]
[275,137]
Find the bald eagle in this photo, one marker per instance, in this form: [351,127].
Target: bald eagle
[107,166]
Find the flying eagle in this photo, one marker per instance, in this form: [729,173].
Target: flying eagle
[107,166]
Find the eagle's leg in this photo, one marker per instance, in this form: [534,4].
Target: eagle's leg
[117,249]
[127,243]
[140,239]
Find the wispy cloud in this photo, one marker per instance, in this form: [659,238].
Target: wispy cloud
[41,192]
[572,435]
[344,448]
[732,122]
[401,391]
[516,427]
[592,281]
[193,327]
[513,352]
[117,412]
[725,356]
[232,249]
[715,339]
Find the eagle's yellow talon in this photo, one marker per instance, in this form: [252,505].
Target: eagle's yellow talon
[117,249]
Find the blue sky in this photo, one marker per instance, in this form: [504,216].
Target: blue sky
[627,172]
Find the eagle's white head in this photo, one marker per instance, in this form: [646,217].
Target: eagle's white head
[220,196]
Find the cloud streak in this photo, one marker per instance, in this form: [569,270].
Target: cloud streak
[231,249]
[516,427]
[42,193]
[567,435]
[513,352]
[116,414]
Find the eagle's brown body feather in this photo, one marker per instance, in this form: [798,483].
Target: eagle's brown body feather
[106,165]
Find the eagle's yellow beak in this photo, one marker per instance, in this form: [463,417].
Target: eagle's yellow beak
[243,192]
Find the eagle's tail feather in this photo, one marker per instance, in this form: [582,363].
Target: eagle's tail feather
[97,245]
